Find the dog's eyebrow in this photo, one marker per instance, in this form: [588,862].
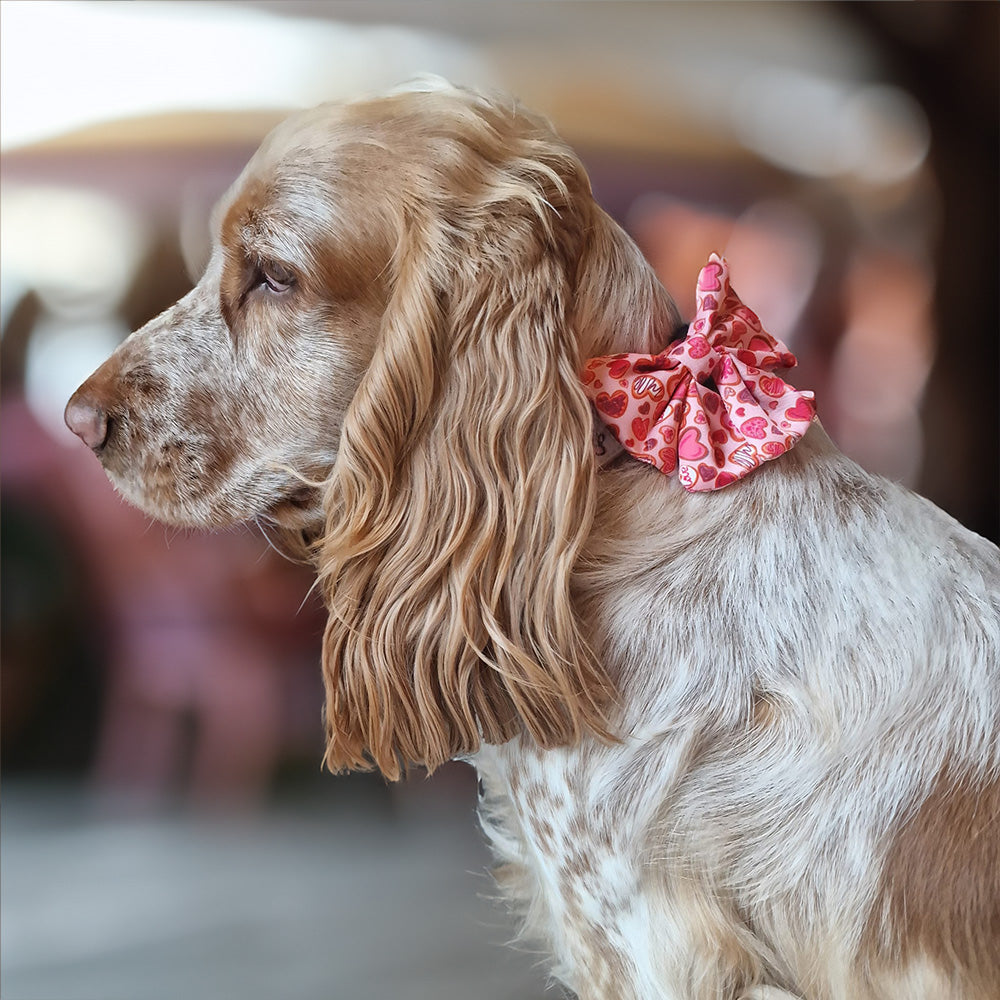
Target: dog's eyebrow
[287,222]
[285,244]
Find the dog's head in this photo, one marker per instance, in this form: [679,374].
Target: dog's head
[384,354]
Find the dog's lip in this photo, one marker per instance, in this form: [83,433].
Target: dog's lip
[297,508]
[302,498]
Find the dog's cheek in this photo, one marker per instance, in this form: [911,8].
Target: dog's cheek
[194,474]
[305,381]
[214,422]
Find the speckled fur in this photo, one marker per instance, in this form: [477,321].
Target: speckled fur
[741,744]
[797,658]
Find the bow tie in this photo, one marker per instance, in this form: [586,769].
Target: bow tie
[705,407]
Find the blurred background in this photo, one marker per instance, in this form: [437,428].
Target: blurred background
[167,831]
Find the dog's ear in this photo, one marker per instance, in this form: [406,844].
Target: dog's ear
[463,490]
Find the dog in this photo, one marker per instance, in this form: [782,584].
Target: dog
[734,742]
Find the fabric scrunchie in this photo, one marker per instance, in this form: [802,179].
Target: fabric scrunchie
[706,407]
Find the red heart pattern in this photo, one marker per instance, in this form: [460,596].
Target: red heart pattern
[751,419]
[689,447]
[698,347]
[708,279]
[613,406]
[800,409]
[772,386]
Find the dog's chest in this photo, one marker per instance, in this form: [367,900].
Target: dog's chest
[567,857]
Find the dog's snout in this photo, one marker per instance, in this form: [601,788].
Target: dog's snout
[87,418]
[88,413]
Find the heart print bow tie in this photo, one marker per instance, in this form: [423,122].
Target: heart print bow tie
[705,407]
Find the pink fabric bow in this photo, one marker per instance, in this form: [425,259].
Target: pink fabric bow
[665,410]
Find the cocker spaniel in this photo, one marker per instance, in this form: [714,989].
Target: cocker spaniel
[735,742]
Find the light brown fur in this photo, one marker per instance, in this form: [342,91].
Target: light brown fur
[933,902]
[738,744]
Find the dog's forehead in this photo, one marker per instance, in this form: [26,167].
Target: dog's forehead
[291,176]
[311,134]
[318,196]
[367,147]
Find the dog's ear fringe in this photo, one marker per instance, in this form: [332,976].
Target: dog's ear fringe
[461,497]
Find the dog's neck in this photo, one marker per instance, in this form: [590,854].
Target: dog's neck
[620,304]
[644,517]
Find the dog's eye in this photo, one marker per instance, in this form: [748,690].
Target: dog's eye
[275,277]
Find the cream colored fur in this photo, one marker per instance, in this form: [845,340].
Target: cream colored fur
[725,738]
[795,657]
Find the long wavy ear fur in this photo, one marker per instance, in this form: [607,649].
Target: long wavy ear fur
[463,488]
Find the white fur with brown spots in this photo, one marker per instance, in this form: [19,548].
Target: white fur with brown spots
[735,744]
